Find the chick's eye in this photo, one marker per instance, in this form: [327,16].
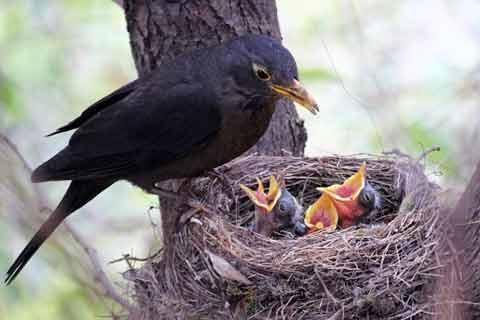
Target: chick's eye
[367,197]
[261,73]
[282,207]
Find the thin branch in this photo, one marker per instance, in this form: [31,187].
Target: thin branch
[98,272]
[128,257]
[427,152]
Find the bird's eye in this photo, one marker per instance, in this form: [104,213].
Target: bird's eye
[261,72]
[367,197]
[282,207]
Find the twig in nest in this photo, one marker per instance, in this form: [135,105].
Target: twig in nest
[327,292]
[396,152]
[128,257]
[336,316]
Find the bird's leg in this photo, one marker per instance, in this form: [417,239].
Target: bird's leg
[212,173]
[196,205]
[163,193]
[156,189]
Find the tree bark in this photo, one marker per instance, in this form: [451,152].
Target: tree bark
[463,250]
[161,30]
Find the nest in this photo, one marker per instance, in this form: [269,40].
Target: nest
[218,269]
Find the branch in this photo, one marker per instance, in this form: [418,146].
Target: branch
[99,273]
[427,152]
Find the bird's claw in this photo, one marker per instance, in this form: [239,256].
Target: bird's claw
[164,193]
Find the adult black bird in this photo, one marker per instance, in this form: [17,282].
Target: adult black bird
[187,116]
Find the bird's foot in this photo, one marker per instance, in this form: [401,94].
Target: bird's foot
[165,193]
[195,205]
[213,173]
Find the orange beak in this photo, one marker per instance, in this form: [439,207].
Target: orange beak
[321,215]
[345,197]
[264,201]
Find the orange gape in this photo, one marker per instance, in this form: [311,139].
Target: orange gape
[345,197]
[261,199]
[264,204]
[321,215]
[338,204]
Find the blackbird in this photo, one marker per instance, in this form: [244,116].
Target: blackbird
[355,199]
[186,117]
[276,210]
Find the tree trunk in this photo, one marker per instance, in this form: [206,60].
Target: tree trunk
[462,277]
[161,30]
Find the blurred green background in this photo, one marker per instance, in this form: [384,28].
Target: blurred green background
[387,74]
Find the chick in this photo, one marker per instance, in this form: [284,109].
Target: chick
[354,200]
[277,210]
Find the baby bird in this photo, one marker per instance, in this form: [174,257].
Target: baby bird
[276,210]
[354,199]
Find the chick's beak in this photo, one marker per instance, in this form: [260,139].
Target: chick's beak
[263,200]
[322,214]
[350,189]
[345,196]
[298,94]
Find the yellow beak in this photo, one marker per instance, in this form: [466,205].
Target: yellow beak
[345,197]
[298,94]
[322,214]
[261,199]
[350,189]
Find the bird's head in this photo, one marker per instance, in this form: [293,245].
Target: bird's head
[354,198]
[370,200]
[268,69]
[276,210]
[288,214]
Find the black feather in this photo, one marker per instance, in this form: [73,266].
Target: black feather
[98,106]
[78,193]
[128,139]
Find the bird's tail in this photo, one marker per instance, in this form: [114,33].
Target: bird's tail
[78,194]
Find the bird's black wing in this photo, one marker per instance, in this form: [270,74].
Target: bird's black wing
[98,106]
[150,128]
